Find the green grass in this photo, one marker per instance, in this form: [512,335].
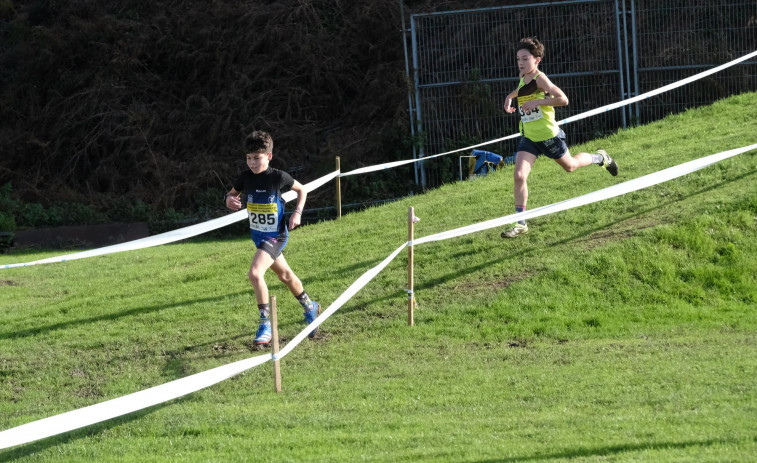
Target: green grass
[620,331]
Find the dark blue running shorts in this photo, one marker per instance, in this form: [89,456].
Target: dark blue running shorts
[273,246]
[553,148]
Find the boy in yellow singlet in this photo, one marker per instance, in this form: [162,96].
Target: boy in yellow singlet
[540,135]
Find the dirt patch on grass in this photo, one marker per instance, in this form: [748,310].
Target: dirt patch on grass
[380,315]
[223,348]
[89,392]
[8,283]
[496,284]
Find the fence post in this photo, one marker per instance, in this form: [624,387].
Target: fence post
[410,294]
[276,361]
[338,190]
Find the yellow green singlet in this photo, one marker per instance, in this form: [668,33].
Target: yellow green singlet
[539,124]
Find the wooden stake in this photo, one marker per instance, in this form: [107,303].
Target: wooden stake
[338,190]
[410,294]
[276,362]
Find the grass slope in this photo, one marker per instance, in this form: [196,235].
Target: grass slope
[619,331]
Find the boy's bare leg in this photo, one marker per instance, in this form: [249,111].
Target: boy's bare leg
[261,262]
[286,275]
[523,163]
[571,163]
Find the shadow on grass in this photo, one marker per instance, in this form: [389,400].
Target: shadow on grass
[361,267]
[150,309]
[611,450]
[112,316]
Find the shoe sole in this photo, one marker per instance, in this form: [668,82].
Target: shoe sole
[612,168]
[257,343]
[506,236]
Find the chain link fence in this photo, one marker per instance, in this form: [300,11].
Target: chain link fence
[597,51]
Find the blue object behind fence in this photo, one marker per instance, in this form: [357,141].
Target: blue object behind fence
[485,161]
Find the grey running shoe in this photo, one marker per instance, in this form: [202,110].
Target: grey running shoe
[609,164]
[518,229]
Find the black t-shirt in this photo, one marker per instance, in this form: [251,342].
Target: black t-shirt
[262,198]
[271,179]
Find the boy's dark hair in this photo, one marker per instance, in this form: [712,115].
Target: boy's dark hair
[533,46]
[258,141]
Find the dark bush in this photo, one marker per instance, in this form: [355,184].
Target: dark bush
[134,101]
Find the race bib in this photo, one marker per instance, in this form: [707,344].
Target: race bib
[530,116]
[263,217]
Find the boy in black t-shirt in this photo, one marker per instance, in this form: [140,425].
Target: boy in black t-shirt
[262,187]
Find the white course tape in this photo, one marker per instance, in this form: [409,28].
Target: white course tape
[339,302]
[577,117]
[389,165]
[662,89]
[189,232]
[173,235]
[127,404]
[155,240]
[137,401]
[97,413]
[87,416]
[314,185]
[599,195]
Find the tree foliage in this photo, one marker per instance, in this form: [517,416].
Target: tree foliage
[150,100]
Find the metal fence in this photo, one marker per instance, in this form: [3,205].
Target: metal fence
[597,51]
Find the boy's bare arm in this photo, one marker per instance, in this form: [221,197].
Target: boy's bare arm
[296,218]
[557,96]
[509,101]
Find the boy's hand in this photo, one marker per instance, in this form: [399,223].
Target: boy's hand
[508,108]
[529,106]
[295,219]
[233,203]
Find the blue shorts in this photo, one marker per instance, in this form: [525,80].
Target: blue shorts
[273,246]
[553,148]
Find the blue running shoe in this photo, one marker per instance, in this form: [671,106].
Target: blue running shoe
[263,336]
[310,315]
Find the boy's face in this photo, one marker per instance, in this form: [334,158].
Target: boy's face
[526,61]
[258,162]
